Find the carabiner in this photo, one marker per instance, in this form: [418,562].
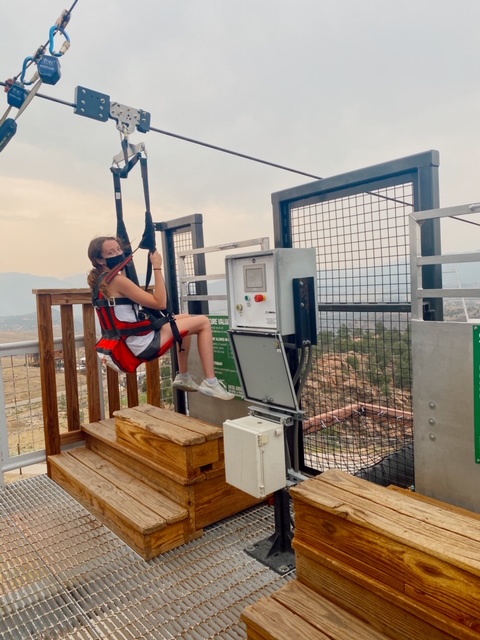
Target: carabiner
[26,62]
[65,45]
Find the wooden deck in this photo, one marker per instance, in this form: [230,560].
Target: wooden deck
[154,477]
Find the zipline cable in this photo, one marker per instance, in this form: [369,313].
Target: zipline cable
[228,151]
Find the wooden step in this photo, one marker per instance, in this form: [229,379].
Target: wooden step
[295,611]
[147,521]
[438,503]
[103,432]
[367,546]
[385,609]
[182,445]
[207,496]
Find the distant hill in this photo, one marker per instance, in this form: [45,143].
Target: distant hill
[18,304]
[21,324]
[16,297]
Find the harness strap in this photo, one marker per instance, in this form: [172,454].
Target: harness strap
[147,242]
[110,329]
[148,238]
[121,229]
[135,331]
[106,302]
[177,336]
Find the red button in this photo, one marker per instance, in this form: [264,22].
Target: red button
[260,297]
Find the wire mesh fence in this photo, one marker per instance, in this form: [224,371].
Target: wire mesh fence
[183,243]
[358,397]
[22,422]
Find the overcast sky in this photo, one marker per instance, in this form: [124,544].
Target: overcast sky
[323,86]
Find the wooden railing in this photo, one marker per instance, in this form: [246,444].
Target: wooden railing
[66,299]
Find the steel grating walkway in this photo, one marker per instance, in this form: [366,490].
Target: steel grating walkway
[65,575]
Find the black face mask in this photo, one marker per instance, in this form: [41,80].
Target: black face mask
[114,261]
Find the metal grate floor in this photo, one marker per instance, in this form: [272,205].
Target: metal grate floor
[65,575]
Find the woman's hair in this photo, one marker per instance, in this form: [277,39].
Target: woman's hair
[95,254]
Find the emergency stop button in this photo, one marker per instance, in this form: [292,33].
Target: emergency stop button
[260,297]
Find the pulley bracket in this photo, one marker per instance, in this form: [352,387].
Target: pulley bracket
[128,119]
[92,104]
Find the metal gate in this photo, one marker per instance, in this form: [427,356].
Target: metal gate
[358,397]
[182,234]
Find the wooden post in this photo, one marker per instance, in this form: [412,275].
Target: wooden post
[113,391]
[47,375]
[132,390]
[70,369]
[91,361]
[154,395]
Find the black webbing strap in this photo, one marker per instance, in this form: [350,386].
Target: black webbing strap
[106,302]
[177,336]
[148,238]
[121,229]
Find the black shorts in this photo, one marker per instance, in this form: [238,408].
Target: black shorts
[153,350]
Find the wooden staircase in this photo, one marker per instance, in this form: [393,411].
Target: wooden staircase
[372,563]
[154,477]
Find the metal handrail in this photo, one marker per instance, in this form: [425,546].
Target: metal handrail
[185,280]
[418,261]
[15,349]
[31,346]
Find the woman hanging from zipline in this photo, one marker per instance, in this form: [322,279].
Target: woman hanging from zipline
[131,335]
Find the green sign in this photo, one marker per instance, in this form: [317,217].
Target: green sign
[476,391]
[225,368]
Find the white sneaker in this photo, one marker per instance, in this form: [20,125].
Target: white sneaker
[216,390]
[185,384]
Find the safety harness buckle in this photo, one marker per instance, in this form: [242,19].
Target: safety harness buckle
[111,301]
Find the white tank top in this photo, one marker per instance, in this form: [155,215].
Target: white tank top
[129,313]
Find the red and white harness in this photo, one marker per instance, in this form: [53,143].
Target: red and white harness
[113,347]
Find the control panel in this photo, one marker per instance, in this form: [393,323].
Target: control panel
[260,288]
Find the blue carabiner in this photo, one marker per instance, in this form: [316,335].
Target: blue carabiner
[53,31]
[24,69]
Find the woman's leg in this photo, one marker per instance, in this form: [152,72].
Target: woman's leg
[183,354]
[199,325]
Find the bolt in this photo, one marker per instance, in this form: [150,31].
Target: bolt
[432,405]
[432,436]
[432,421]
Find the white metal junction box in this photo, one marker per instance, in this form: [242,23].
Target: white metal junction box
[260,288]
[254,455]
